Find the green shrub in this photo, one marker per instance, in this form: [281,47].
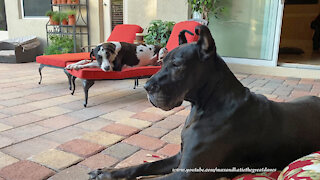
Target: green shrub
[59,45]
[50,13]
[63,16]
[159,32]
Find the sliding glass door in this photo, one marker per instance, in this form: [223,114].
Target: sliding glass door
[247,31]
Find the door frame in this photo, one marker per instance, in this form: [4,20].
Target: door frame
[261,62]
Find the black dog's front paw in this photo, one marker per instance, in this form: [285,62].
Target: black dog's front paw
[101,174]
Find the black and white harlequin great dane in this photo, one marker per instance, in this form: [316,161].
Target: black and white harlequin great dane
[228,125]
[113,56]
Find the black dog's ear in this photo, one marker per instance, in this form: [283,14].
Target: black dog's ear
[91,54]
[182,36]
[205,42]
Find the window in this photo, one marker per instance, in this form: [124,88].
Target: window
[35,8]
[3,22]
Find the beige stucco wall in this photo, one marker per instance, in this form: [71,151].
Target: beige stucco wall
[18,27]
[141,12]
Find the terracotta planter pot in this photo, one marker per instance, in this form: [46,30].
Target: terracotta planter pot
[50,20]
[55,23]
[63,1]
[59,1]
[72,20]
[69,2]
[75,2]
[64,22]
[54,1]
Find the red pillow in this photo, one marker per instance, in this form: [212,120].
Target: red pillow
[173,41]
[125,33]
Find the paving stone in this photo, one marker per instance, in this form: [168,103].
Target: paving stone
[30,147]
[258,83]
[6,160]
[137,107]
[144,142]
[19,109]
[3,115]
[247,81]
[120,129]
[121,150]
[139,158]
[140,124]
[293,78]
[81,147]
[303,87]
[25,132]
[173,137]
[85,114]
[51,111]
[99,161]
[118,115]
[58,122]
[5,141]
[56,159]
[291,82]
[25,170]
[177,109]
[22,119]
[297,93]
[4,127]
[170,122]
[64,135]
[94,124]
[102,138]
[146,116]
[170,149]
[283,91]
[154,132]
[159,111]
[184,112]
[72,173]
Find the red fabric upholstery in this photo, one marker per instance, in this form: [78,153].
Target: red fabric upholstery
[97,73]
[60,60]
[125,33]
[173,41]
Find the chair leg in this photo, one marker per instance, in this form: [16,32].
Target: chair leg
[73,79]
[136,83]
[40,69]
[69,78]
[86,86]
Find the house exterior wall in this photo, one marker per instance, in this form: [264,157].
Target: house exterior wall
[139,12]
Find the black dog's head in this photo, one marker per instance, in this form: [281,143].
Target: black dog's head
[105,55]
[182,71]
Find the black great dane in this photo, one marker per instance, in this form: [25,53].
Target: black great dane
[228,125]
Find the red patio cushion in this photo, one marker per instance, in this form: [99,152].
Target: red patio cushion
[98,74]
[125,33]
[173,41]
[60,60]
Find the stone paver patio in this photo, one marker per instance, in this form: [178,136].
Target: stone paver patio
[45,133]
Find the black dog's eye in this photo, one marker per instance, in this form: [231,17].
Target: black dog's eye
[176,63]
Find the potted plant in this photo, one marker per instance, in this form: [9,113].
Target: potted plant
[50,14]
[202,8]
[59,1]
[54,2]
[72,17]
[75,1]
[56,19]
[159,32]
[64,18]
[69,1]
[63,1]
[59,45]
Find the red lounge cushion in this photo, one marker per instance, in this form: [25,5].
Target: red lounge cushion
[125,33]
[173,41]
[60,60]
[97,73]
[305,168]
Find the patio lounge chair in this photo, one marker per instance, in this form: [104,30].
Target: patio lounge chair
[89,75]
[121,33]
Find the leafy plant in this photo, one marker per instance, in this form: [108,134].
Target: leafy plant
[63,16]
[205,7]
[59,45]
[72,12]
[50,13]
[159,32]
[56,17]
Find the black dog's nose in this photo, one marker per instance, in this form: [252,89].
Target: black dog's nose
[107,68]
[151,87]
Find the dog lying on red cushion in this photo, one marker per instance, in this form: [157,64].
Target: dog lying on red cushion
[114,56]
